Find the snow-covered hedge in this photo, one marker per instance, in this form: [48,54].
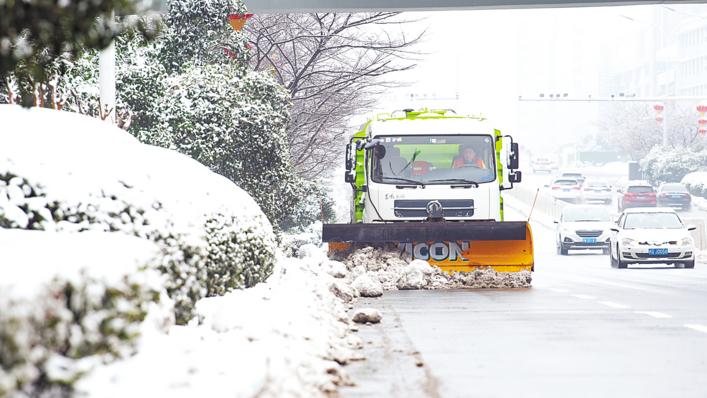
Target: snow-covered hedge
[86,175]
[672,164]
[696,183]
[71,301]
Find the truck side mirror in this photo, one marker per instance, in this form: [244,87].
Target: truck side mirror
[515,177]
[349,162]
[513,162]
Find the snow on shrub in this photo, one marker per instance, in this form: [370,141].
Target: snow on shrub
[236,260]
[86,175]
[77,301]
[672,164]
[696,183]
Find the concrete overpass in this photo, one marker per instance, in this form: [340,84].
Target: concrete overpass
[295,6]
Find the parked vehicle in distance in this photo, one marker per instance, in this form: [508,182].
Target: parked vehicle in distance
[655,235]
[596,191]
[573,175]
[543,164]
[674,194]
[566,189]
[635,194]
[583,227]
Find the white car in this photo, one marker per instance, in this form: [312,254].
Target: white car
[651,235]
[566,189]
[593,191]
[583,227]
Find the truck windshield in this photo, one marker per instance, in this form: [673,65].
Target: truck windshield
[438,159]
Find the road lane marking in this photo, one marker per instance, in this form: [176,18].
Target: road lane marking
[584,296]
[699,328]
[614,305]
[654,314]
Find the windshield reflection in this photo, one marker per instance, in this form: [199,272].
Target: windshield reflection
[439,159]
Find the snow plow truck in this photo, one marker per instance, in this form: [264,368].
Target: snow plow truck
[428,184]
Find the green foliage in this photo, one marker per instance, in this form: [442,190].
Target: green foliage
[236,260]
[35,34]
[69,323]
[317,206]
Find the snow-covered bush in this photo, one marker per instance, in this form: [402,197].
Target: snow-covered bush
[672,164]
[235,125]
[76,301]
[696,183]
[237,257]
[212,235]
[316,204]
[192,90]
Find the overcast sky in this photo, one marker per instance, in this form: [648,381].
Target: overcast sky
[489,58]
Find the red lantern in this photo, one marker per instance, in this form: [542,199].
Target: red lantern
[702,122]
[659,118]
[229,53]
[702,131]
[658,107]
[702,108]
[237,21]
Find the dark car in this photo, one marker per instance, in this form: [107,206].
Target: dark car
[674,195]
[637,195]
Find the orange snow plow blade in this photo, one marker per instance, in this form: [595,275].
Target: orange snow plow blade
[452,246]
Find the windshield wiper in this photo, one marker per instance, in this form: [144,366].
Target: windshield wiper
[405,180]
[460,180]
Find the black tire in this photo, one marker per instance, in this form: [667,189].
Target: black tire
[689,264]
[616,262]
[687,208]
[612,260]
[563,250]
[605,251]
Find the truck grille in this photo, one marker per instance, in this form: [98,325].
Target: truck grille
[418,207]
[588,234]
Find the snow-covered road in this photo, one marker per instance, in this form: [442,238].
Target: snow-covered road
[584,329]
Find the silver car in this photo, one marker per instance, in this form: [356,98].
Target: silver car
[583,227]
[651,235]
[596,191]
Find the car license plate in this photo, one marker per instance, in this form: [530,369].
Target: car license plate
[589,240]
[658,252]
[565,190]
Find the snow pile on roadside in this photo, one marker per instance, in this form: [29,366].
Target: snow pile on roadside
[394,273]
[286,337]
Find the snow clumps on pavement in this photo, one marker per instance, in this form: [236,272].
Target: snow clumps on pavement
[287,337]
[367,315]
[394,273]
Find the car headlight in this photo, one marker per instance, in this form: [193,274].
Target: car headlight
[627,241]
[686,241]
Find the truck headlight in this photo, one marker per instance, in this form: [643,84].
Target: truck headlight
[627,242]
[686,241]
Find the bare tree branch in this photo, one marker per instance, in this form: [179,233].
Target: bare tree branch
[332,65]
